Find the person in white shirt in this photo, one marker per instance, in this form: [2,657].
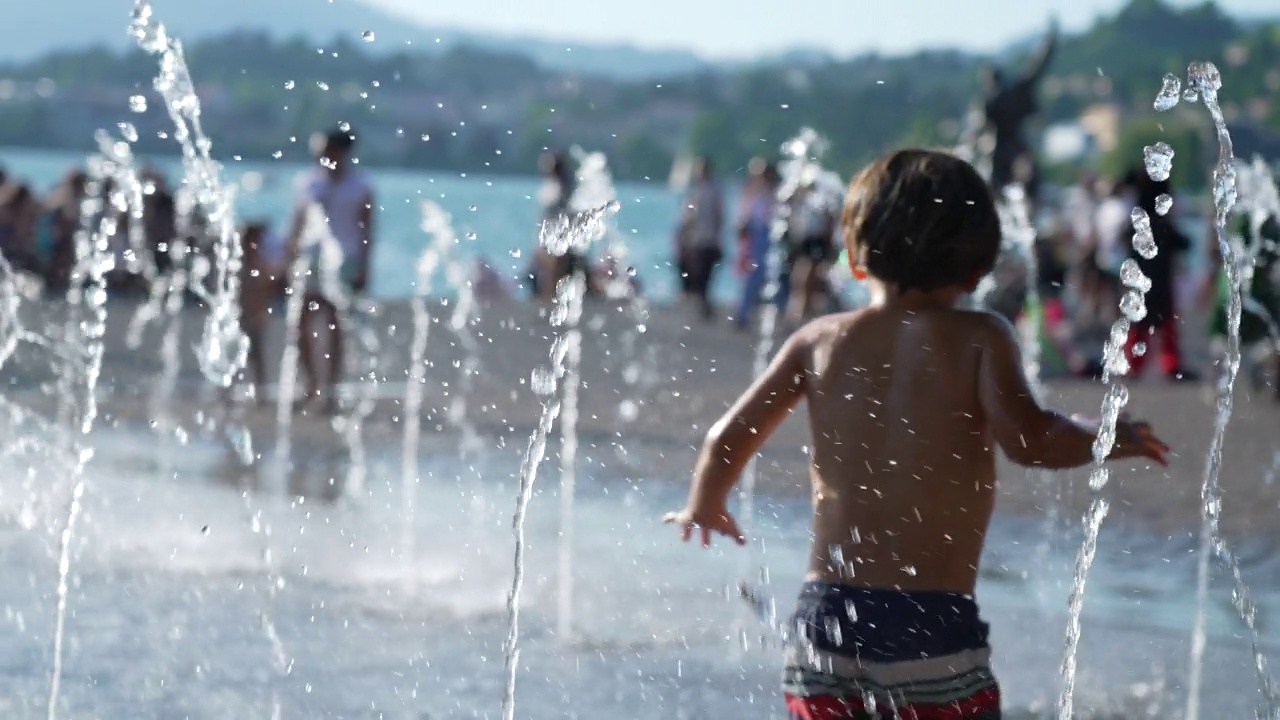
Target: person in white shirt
[346,199]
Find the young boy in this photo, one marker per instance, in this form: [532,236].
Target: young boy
[907,400]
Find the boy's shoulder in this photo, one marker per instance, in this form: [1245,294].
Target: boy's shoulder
[855,321]
[971,328]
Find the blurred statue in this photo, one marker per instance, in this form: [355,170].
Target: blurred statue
[1007,105]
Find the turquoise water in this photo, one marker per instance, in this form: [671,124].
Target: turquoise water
[499,210]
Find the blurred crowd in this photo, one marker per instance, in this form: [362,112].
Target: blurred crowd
[38,232]
[1084,240]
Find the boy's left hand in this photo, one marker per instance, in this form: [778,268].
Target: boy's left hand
[717,521]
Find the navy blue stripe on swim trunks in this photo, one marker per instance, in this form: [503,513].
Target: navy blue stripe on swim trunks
[877,625]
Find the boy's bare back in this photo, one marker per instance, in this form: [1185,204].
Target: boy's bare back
[903,463]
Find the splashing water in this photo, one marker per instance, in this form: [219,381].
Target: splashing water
[595,189]
[1015,216]
[89,283]
[1158,159]
[362,322]
[559,236]
[1170,92]
[1115,367]
[437,224]
[224,347]
[802,155]
[11,331]
[288,375]
[1205,79]
[464,315]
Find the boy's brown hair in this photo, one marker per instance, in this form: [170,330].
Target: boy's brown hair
[922,220]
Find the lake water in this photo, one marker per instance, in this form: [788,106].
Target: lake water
[500,211]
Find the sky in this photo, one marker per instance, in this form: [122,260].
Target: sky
[734,29]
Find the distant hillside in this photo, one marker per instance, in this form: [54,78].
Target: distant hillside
[474,107]
[79,24]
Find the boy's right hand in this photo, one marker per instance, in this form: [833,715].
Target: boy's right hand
[719,521]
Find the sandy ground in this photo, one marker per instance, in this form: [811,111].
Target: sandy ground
[677,376]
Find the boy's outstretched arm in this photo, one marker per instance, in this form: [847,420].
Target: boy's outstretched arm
[1033,436]
[737,436]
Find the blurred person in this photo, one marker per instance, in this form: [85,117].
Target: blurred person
[755,233]
[1261,302]
[558,185]
[19,215]
[346,198]
[699,246]
[64,204]
[811,250]
[258,292]
[160,218]
[1008,104]
[488,285]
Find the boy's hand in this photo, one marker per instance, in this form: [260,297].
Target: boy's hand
[1134,439]
[719,521]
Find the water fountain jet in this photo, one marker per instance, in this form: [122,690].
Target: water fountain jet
[568,233]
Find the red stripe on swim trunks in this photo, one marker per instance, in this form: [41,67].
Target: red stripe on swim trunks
[979,706]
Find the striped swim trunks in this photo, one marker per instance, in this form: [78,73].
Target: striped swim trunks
[866,654]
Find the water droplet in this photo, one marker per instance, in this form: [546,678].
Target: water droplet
[344,126]
[1170,91]
[1159,161]
[910,570]
[628,411]
[368,36]
[1133,306]
[543,381]
[425,137]
[204,530]
[631,271]
[1163,204]
[471,235]
[1139,349]
[289,85]
[138,103]
[1190,95]
[515,252]
[128,131]
[322,85]
[1144,240]
[277,154]
[1132,276]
